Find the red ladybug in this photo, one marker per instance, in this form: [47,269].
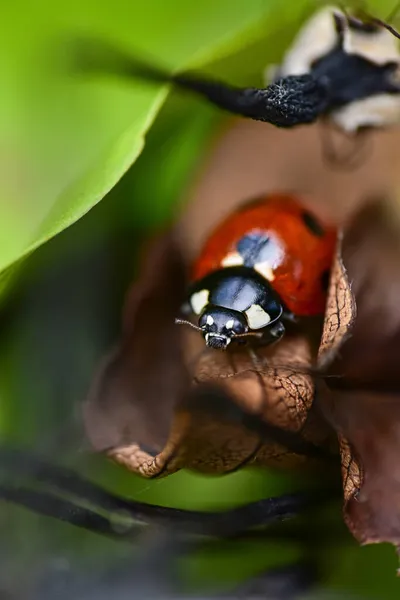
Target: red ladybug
[267,262]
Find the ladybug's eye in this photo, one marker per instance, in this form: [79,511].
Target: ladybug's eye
[207,322]
[235,326]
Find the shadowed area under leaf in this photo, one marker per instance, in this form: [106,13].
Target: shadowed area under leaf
[124,404]
[369,425]
[364,404]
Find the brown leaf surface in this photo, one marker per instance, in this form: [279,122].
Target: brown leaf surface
[371,254]
[263,387]
[266,382]
[364,404]
[224,436]
[340,312]
[132,398]
[369,428]
[216,427]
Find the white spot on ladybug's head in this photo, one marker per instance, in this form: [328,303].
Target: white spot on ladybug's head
[210,320]
[257,318]
[199,300]
[233,259]
[229,324]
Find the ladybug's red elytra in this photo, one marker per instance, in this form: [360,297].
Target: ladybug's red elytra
[267,262]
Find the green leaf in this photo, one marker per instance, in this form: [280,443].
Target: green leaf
[65,142]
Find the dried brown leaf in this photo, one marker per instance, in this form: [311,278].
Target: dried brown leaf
[340,312]
[363,404]
[130,406]
[266,381]
[366,418]
[369,428]
[212,431]
[274,387]
[216,439]
[371,253]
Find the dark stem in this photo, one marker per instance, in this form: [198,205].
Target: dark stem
[291,101]
[48,505]
[65,481]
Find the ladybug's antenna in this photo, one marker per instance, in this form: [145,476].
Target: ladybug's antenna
[256,334]
[189,323]
[293,100]
[235,337]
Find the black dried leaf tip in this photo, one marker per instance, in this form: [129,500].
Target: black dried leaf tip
[291,101]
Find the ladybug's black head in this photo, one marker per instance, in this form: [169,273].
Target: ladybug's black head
[219,325]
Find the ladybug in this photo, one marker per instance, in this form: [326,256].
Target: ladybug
[266,263]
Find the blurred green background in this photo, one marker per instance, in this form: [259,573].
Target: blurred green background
[65,143]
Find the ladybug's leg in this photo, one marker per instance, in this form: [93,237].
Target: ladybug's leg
[270,336]
[259,363]
[289,317]
[276,331]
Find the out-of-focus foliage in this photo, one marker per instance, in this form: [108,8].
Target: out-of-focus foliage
[64,144]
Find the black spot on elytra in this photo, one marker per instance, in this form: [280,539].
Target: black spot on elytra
[325,277]
[312,224]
